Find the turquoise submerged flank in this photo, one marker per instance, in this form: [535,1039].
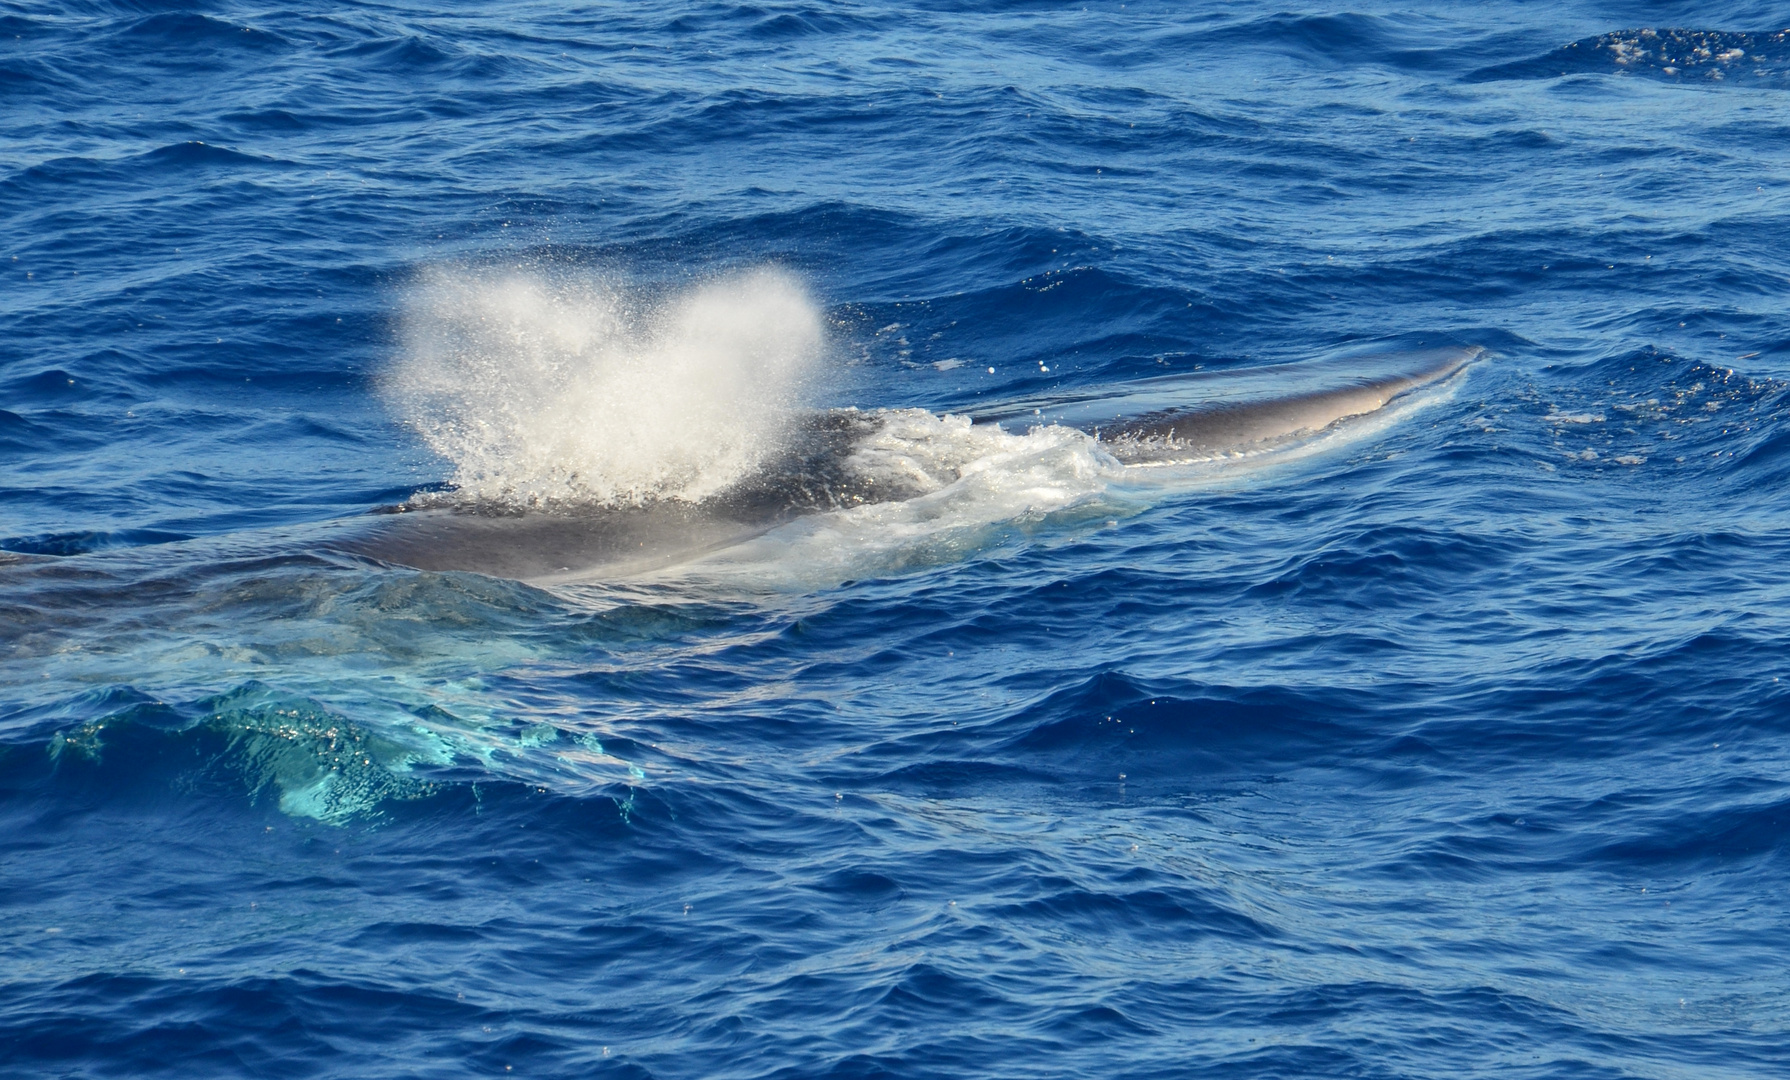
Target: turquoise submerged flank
[1446,742]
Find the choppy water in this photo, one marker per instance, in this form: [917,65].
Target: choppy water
[1454,747]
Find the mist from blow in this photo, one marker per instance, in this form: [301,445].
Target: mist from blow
[558,390]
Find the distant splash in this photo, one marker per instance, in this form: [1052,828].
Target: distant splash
[1712,55]
[547,390]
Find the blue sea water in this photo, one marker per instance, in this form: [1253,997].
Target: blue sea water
[1454,747]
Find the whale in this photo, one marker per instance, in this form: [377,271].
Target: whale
[1193,417]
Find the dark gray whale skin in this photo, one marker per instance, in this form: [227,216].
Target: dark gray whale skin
[1234,412]
[1175,418]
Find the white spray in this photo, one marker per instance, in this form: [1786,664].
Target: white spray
[546,392]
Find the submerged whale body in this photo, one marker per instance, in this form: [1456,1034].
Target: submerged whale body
[1167,420]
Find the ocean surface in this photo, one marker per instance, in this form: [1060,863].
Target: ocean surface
[1446,744]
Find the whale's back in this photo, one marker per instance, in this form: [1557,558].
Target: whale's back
[1218,414]
[1174,418]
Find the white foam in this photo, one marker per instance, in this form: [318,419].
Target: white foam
[576,389]
[975,484]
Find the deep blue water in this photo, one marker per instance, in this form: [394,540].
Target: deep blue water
[1452,748]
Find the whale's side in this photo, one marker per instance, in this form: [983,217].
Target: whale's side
[546,547]
[1175,418]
